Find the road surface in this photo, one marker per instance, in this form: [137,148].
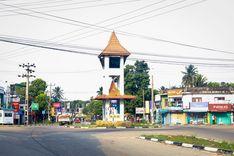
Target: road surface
[59,141]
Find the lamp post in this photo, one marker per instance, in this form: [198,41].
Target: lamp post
[28,74]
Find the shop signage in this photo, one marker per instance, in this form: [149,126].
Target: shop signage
[140,110]
[15,105]
[56,104]
[198,107]
[220,107]
[174,92]
[35,106]
[147,107]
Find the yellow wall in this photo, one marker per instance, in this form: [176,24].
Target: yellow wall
[178,118]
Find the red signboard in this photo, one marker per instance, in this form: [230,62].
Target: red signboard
[220,107]
[15,105]
[56,104]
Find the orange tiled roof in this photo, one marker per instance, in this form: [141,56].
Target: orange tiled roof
[114,48]
[114,93]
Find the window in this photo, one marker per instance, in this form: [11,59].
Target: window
[196,99]
[0,114]
[114,62]
[219,98]
[8,114]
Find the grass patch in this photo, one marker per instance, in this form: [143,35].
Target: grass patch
[194,140]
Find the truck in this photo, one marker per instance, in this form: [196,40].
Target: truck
[65,119]
[6,117]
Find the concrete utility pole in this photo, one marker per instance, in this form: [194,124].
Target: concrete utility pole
[152,99]
[143,96]
[28,70]
[49,104]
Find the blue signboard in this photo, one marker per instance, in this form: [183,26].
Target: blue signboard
[198,104]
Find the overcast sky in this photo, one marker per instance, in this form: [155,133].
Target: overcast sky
[203,23]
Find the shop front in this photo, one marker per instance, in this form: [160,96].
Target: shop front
[197,113]
[220,113]
[176,116]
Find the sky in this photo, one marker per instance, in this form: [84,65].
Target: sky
[200,23]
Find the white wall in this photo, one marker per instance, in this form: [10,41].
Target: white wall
[207,98]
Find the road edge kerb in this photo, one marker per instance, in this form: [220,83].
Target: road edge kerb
[186,145]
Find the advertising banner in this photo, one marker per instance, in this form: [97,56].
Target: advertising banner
[56,104]
[140,110]
[174,92]
[16,107]
[147,107]
[35,106]
[220,107]
[198,107]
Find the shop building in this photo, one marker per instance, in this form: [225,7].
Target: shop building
[220,113]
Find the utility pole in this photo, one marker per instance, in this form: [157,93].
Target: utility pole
[49,104]
[143,95]
[28,74]
[152,99]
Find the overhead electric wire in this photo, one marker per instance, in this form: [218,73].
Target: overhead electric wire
[109,19]
[96,54]
[33,41]
[127,33]
[80,7]
[136,35]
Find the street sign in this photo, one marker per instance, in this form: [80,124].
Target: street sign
[35,106]
[140,110]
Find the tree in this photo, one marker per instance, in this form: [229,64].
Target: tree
[100,91]
[213,84]
[57,94]
[189,76]
[37,87]
[136,80]
[42,99]
[200,81]
[93,108]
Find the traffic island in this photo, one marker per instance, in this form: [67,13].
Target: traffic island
[192,142]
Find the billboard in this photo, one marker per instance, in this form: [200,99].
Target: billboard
[220,107]
[147,107]
[56,104]
[198,106]
[140,110]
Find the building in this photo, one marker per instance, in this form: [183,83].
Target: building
[197,106]
[113,59]
[2,97]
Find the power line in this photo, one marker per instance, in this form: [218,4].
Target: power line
[149,5]
[81,7]
[127,33]
[96,54]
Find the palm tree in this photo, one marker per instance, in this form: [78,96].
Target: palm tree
[189,76]
[100,91]
[200,81]
[57,93]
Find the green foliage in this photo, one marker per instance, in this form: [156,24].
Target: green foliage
[57,94]
[137,81]
[213,84]
[189,76]
[100,91]
[194,140]
[37,87]
[78,104]
[93,108]
[200,81]
[42,99]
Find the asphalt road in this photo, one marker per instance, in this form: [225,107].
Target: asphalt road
[55,141]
